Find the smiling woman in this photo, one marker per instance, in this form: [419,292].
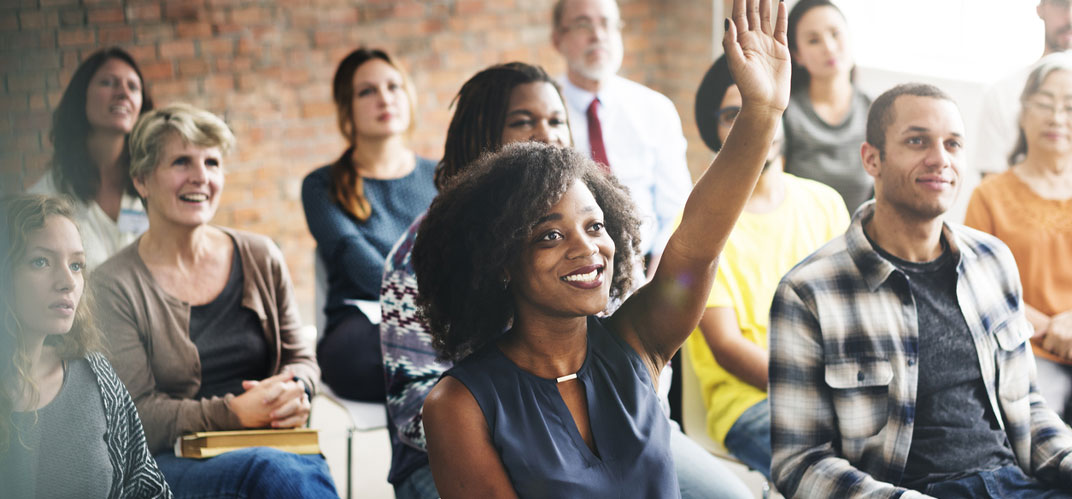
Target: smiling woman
[201,322]
[90,162]
[554,395]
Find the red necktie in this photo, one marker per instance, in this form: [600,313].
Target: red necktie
[595,136]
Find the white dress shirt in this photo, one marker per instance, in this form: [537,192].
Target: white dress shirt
[645,147]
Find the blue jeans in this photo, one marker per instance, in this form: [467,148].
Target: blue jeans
[749,438]
[418,485]
[255,472]
[1008,482]
[701,475]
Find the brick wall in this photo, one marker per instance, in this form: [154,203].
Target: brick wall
[266,67]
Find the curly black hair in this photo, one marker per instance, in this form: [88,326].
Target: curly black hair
[476,229]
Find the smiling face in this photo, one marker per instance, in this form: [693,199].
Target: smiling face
[49,278]
[822,44]
[919,174]
[590,38]
[381,107]
[114,97]
[536,113]
[566,267]
[1046,115]
[185,187]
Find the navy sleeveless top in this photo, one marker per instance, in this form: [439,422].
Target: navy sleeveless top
[538,441]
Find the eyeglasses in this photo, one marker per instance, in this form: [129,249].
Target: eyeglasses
[1047,108]
[587,25]
[727,115]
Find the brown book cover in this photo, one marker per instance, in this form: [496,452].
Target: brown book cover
[213,443]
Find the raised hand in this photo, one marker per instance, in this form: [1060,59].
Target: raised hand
[758,53]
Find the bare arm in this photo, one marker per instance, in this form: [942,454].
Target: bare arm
[658,318]
[732,351]
[464,463]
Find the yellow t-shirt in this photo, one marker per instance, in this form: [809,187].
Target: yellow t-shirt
[760,250]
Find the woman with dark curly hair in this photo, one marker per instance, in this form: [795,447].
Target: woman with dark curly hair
[90,161]
[63,410]
[515,261]
[502,104]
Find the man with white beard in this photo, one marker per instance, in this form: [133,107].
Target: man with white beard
[631,128]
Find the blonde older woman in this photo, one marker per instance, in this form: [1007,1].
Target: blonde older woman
[1029,207]
[201,322]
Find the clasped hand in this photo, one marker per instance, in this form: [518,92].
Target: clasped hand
[276,402]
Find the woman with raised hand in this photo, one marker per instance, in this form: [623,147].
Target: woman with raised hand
[1029,207]
[201,321]
[503,104]
[358,206]
[63,411]
[826,119]
[90,161]
[514,262]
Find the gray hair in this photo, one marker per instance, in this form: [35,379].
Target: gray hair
[196,126]
[1058,61]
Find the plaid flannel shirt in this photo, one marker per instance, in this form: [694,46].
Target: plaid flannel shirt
[844,366]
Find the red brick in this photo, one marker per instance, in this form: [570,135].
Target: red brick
[146,12]
[219,83]
[154,32]
[37,102]
[249,15]
[76,37]
[38,19]
[155,71]
[115,35]
[9,21]
[193,67]
[41,60]
[194,30]
[106,15]
[72,17]
[177,49]
[142,53]
[182,10]
[53,3]
[218,47]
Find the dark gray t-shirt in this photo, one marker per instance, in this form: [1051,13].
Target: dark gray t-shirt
[63,453]
[229,339]
[956,433]
[826,153]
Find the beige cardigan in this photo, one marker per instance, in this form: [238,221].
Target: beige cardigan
[148,339]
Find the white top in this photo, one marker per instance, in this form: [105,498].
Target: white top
[998,124]
[645,147]
[102,237]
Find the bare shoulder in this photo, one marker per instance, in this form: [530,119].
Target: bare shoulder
[450,400]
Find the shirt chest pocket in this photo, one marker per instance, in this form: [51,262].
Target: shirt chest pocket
[1013,361]
[860,391]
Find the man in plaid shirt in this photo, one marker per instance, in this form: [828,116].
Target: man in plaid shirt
[899,362]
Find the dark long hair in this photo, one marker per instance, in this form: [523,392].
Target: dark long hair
[70,129]
[347,188]
[477,227]
[23,215]
[480,115]
[800,76]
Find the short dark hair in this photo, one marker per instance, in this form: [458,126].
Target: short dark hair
[475,231]
[881,114]
[70,172]
[480,115]
[709,100]
[800,78]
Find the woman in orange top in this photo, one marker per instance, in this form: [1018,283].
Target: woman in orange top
[1029,207]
